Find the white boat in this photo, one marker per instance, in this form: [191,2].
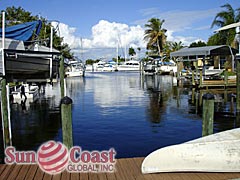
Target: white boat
[98,66]
[168,68]
[210,71]
[31,92]
[76,68]
[215,153]
[89,68]
[108,68]
[131,65]
[207,72]
[149,68]
[25,60]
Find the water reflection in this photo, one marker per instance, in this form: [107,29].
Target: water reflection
[225,116]
[132,113]
[34,122]
[155,106]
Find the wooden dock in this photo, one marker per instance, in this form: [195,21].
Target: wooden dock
[127,169]
[217,83]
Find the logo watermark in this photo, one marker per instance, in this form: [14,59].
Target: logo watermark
[54,157]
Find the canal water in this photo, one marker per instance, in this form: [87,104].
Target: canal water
[132,113]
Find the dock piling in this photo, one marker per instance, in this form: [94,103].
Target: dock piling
[208,114]
[4,107]
[62,76]
[66,115]
[226,78]
[238,83]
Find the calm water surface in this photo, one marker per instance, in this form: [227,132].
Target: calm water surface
[135,115]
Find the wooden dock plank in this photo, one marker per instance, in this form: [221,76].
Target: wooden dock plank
[102,176]
[57,176]
[138,163]
[75,176]
[23,172]
[231,175]
[47,176]
[7,171]
[93,176]
[119,172]
[111,176]
[136,171]
[2,168]
[39,174]
[65,175]
[129,169]
[14,173]
[32,171]
[84,176]
[123,170]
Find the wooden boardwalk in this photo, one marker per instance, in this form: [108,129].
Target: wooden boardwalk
[127,169]
[218,83]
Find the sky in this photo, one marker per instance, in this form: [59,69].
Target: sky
[95,28]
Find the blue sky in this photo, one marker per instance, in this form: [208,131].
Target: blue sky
[122,22]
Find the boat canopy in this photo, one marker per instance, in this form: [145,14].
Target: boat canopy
[234,25]
[22,32]
[205,51]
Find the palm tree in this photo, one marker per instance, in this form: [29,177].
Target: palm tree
[224,18]
[175,46]
[155,35]
[131,51]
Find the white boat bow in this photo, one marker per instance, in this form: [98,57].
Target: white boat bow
[215,153]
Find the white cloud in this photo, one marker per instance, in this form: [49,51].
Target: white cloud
[185,40]
[185,26]
[67,33]
[105,37]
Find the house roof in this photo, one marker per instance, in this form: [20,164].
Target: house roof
[205,51]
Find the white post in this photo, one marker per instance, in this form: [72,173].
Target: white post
[81,50]
[9,120]
[125,53]
[3,42]
[238,38]
[117,53]
[51,50]
[65,87]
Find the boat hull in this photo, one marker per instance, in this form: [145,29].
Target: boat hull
[216,153]
[30,67]
[74,74]
[128,68]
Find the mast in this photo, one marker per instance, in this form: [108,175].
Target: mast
[125,52]
[117,53]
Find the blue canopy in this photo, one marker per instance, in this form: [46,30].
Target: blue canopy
[22,32]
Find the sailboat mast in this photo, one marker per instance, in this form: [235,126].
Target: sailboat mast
[117,53]
[125,53]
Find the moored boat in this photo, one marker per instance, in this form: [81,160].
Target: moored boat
[75,69]
[31,92]
[24,61]
[131,65]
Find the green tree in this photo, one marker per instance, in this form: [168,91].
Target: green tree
[131,51]
[155,35]
[223,18]
[198,44]
[175,46]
